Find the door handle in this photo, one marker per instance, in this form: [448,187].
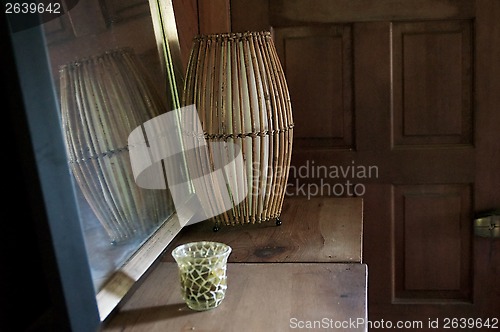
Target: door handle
[488,224]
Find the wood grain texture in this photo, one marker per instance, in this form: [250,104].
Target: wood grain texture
[487,115]
[257,21]
[186,18]
[318,65]
[323,229]
[214,16]
[296,12]
[260,297]
[432,238]
[432,82]
[487,195]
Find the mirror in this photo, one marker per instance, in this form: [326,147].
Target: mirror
[115,64]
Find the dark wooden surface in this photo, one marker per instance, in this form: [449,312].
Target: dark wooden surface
[321,229]
[259,297]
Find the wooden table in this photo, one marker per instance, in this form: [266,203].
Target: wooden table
[308,272]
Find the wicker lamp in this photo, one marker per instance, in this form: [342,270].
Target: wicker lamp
[238,86]
[103,98]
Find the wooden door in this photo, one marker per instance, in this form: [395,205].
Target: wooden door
[410,89]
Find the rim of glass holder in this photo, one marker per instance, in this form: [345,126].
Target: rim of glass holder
[192,250]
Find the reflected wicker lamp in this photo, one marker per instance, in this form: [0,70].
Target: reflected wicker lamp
[103,98]
[238,86]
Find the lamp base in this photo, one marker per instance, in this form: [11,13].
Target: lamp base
[277,221]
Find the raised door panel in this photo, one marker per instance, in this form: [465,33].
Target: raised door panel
[432,82]
[318,66]
[432,243]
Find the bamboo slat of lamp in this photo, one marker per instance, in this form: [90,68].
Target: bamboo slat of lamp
[238,86]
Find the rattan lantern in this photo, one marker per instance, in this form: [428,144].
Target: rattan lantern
[103,98]
[238,86]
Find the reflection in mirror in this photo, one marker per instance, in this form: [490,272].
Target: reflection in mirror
[103,98]
[110,79]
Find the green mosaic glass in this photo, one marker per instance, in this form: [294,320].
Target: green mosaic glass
[202,272]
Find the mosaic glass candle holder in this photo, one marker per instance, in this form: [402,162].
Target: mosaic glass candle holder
[202,273]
